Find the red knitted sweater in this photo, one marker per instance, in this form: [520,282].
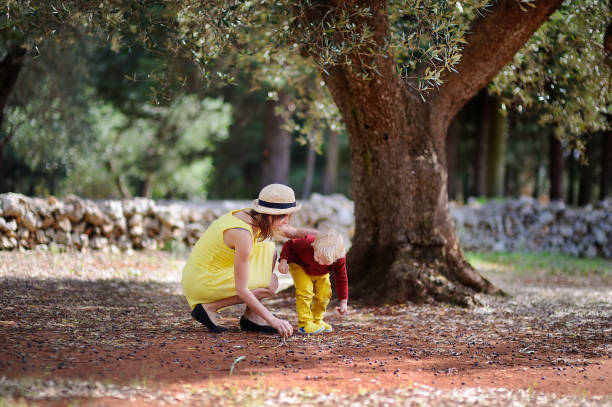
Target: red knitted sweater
[300,251]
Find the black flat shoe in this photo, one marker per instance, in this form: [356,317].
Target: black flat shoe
[200,315]
[250,326]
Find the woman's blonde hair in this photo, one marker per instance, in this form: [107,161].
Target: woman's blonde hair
[329,245]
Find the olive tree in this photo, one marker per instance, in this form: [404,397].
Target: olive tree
[397,71]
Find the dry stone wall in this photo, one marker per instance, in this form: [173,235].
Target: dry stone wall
[527,225]
[135,224]
[140,223]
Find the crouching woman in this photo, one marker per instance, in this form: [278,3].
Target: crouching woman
[232,263]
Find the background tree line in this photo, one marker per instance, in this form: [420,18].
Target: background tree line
[54,126]
[71,105]
[187,139]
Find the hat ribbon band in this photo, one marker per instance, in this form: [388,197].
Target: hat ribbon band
[276,205]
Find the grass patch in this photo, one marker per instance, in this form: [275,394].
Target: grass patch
[544,262]
[177,249]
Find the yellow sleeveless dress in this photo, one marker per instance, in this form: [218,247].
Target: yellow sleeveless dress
[208,275]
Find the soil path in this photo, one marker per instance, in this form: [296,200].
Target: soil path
[126,323]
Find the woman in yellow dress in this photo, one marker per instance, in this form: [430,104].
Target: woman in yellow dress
[232,263]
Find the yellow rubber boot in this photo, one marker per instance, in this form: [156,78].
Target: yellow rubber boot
[311,328]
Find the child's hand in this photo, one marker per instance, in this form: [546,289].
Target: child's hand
[341,310]
[283,267]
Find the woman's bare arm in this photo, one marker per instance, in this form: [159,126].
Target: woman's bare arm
[243,244]
[291,232]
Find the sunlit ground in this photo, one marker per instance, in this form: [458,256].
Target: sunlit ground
[558,309]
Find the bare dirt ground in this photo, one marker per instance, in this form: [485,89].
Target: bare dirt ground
[112,329]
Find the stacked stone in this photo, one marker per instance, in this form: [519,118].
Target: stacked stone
[139,223]
[512,225]
[527,225]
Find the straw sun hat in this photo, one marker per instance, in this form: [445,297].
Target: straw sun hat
[276,199]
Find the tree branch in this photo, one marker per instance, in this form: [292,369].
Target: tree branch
[496,36]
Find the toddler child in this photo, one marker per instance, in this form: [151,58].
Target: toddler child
[310,261]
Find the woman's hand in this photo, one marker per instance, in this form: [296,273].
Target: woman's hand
[283,327]
[283,267]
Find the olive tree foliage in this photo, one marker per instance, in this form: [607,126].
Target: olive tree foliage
[271,40]
[562,74]
[267,38]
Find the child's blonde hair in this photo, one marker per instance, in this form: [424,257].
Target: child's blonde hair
[329,245]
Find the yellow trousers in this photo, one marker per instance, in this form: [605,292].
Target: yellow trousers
[307,289]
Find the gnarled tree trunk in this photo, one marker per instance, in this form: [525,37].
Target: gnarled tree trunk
[405,246]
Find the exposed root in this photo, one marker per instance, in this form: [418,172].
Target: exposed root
[415,274]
